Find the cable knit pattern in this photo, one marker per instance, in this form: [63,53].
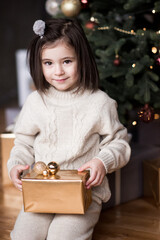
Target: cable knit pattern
[71,129]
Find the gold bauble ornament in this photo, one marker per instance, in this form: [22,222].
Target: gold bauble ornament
[39,167]
[45,173]
[52,7]
[70,8]
[53,167]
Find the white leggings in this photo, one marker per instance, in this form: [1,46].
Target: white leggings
[39,226]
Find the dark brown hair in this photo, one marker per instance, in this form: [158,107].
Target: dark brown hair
[71,32]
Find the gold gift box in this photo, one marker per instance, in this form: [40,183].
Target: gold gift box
[64,192]
[6,144]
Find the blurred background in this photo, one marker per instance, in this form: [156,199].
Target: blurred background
[16,20]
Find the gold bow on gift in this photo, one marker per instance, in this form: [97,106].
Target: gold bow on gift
[41,168]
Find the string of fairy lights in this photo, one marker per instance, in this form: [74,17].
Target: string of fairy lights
[131,32]
[117,29]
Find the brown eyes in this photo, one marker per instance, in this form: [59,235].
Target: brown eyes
[48,63]
[67,61]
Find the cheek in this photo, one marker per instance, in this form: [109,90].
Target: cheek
[75,70]
[45,73]
[43,70]
[75,75]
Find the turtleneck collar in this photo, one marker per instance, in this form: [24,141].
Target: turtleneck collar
[66,97]
[53,92]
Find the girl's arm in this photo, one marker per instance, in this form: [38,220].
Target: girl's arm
[114,148]
[22,154]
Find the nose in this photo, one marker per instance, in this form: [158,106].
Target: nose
[58,70]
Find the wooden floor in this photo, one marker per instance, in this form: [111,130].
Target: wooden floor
[135,220]
[10,204]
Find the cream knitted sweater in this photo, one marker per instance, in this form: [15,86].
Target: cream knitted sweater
[71,129]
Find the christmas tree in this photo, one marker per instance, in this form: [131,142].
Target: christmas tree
[125,38]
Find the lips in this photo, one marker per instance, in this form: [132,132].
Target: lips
[60,80]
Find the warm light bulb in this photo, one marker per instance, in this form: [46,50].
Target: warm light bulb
[154,50]
[156,116]
[151,67]
[92,19]
[133,65]
[153,11]
[144,29]
[134,123]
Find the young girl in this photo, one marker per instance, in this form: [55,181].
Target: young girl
[67,120]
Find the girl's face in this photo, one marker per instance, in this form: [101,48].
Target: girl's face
[59,66]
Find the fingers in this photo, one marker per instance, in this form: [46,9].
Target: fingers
[84,167]
[18,184]
[95,180]
[15,175]
[21,168]
[97,172]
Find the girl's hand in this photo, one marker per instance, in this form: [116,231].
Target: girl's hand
[15,175]
[98,172]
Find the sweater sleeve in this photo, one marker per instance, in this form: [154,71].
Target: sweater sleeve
[25,132]
[114,148]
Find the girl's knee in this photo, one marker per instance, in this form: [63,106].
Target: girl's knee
[31,226]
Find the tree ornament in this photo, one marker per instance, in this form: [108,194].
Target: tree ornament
[39,167]
[53,167]
[53,7]
[90,24]
[146,113]
[157,61]
[70,8]
[117,61]
[84,4]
